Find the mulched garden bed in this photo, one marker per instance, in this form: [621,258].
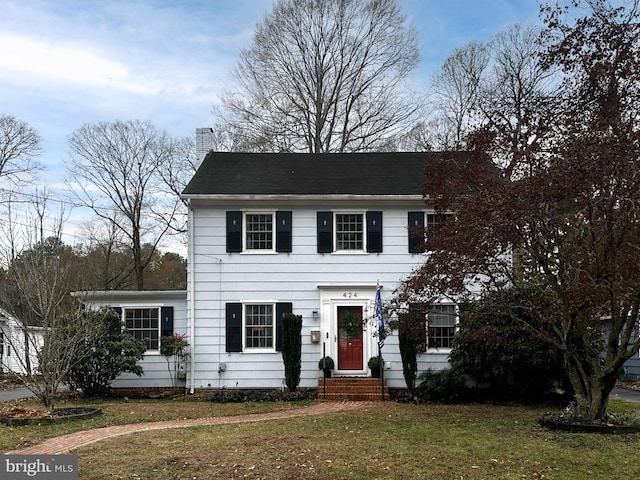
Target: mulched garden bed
[623,424]
[15,416]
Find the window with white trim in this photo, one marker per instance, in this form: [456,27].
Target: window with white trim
[421,226]
[258,326]
[435,220]
[441,326]
[144,324]
[349,231]
[258,231]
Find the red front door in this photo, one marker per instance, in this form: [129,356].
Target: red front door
[350,338]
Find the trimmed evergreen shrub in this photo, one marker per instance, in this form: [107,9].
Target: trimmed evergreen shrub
[409,355]
[292,349]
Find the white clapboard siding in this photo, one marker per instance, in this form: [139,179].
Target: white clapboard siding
[297,277]
[156,373]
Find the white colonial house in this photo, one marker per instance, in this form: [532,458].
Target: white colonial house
[19,344]
[274,233]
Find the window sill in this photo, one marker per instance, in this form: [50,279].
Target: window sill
[259,350]
[443,350]
[349,252]
[258,252]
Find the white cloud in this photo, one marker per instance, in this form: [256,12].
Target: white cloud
[65,63]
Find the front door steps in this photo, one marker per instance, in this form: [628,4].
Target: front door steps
[352,388]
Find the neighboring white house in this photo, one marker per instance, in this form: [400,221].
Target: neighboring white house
[16,344]
[309,234]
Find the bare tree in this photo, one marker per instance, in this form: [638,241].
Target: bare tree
[176,174]
[19,147]
[105,257]
[115,169]
[456,88]
[326,76]
[497,93]
[517,98]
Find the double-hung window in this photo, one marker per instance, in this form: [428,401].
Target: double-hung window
[144,324]
[441,326]
[258,232]
[421,226]
[258,326]
[255,326]
[349,232]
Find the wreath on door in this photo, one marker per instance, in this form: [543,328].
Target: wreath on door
[351,324]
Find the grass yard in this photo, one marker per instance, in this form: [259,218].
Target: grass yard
[383,441]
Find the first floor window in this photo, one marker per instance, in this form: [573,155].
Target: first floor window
[144,324]
[258,326]
[1,343]
[255,327]
[441,326]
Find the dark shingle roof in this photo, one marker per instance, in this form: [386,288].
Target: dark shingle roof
[380,173]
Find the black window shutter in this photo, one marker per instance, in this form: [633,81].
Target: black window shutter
[283,231]
[166,321]
[374,232]
[416,232]
[234,231]
[233,327]
[118,310]
[325,232]
[281,309]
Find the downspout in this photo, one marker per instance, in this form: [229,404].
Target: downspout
[192,303]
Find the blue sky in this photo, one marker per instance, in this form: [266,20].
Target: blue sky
[64,63]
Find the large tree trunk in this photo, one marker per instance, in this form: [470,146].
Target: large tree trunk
[591,389]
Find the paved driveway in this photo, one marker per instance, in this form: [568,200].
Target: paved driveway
[15,394]
[625,394]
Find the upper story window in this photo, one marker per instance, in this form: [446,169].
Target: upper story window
[258,232]
[421,225]
[349,232]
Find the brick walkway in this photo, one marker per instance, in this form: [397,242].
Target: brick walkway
[72,441]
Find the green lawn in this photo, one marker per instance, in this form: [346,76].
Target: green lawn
[383,441]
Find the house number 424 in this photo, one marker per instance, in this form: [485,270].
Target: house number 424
[350,295]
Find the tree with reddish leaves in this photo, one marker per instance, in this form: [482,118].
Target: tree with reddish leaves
[563,234]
